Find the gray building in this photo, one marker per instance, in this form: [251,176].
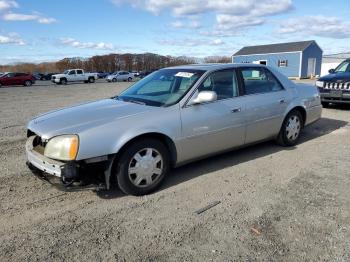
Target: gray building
[295,59]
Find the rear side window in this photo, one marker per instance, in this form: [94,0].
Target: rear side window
[259,80]
[79,72]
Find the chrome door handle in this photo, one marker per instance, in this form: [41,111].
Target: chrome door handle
[236,110]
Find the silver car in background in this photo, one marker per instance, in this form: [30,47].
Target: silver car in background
[171,117]
[120,76]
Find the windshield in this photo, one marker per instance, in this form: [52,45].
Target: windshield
[66,72]
[343,67]
[162,88]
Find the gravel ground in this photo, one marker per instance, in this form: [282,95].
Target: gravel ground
[277,204]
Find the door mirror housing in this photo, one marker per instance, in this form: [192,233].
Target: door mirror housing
[331,71]
[204,97]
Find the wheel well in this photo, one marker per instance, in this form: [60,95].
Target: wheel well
[302,112]
[167,141]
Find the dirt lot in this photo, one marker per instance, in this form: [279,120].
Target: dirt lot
[277,204]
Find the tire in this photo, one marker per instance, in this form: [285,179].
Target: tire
[91,80]
[142,167]
[28,83]
[63,81]
[325,104]
[114,80]
[129,79]
[291,129]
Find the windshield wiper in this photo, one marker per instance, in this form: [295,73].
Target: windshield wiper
[135,102]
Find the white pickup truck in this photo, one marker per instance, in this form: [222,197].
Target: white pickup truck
[74,75]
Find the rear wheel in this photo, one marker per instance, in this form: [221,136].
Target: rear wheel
[142,167]
[91,80]
[291,128]
[28,83]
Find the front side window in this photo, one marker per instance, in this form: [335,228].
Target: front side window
[259,80]
[10,75]
[223,83]
[72,72]
[343,67]
[162,88]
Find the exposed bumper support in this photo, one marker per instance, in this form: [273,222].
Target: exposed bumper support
[67,171]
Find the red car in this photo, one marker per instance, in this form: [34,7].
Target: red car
[10,79]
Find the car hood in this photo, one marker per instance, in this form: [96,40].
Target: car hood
[73,120]
[343,76]
[58,75]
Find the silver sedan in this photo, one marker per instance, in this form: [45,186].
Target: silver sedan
[171,117]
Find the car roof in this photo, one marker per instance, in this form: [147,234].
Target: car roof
[209,67]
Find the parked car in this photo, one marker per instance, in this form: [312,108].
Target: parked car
[74,75]
[335,87]
[135,73]
[10,79]
[48,76]
[120,76]
[39,76]
[172,117]
[102,74]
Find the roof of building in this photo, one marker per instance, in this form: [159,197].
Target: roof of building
[275,48]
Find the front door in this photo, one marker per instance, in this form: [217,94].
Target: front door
[216,126]
[266,102]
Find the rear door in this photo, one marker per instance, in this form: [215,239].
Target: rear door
[266,102]
[80,76]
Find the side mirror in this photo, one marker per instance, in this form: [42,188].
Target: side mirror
[204,97]
[331,71]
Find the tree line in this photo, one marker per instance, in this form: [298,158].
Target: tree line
[111,63]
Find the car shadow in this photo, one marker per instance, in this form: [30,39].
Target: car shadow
[195,169]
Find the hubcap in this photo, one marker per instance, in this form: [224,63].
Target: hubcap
[293,127]
[145,167]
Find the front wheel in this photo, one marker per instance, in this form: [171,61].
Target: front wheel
[63,81]
[291,128]
[114,80]
[142,167]
[129,79]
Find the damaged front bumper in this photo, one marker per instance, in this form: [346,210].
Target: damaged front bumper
[67,171]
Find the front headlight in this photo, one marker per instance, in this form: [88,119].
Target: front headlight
[63,147]
[319,84]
